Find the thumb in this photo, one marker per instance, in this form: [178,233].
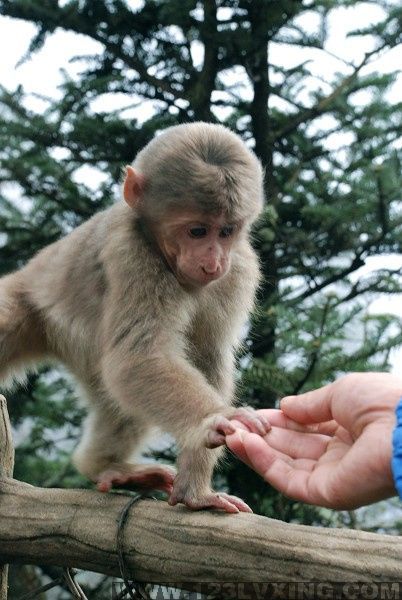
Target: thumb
[311,407]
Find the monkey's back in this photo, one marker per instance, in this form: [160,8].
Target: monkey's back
[65,284]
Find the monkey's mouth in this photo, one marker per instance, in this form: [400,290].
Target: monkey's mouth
[211,276]
[197,281]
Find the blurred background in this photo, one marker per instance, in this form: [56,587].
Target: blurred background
[314,88]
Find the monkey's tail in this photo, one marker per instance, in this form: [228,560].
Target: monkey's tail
[22,340]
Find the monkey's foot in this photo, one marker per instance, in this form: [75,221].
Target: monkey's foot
[219,426]
[220,501]
[153,477]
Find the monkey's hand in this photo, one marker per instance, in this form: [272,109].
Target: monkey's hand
[216,427]
[209,499]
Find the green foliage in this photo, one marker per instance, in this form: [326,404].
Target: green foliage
[332,180]
[46,430]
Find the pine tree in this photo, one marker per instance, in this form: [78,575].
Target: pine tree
[329,206]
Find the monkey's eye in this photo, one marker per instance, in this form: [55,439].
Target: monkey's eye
[226,231]
[198,232]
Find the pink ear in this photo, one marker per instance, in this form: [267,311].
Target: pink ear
[133,187]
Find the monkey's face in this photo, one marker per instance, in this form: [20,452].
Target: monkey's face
[197,247]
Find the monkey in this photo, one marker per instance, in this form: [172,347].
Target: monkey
[145,303]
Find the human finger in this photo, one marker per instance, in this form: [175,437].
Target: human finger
[287,476]
[278,418]
[311,407]
[297,444]
[235,443]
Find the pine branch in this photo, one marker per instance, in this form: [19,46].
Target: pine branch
[314,357]
[355,264]
[326,103]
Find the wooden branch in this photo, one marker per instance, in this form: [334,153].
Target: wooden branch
[6,470]
[78,528]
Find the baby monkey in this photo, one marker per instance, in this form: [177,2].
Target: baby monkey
[145,304]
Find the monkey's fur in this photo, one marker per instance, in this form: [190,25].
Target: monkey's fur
[147,349]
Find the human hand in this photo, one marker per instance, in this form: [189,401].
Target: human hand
[332,446]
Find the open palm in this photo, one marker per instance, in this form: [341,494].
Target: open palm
[330,447]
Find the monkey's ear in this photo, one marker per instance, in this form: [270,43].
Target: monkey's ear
[133,187]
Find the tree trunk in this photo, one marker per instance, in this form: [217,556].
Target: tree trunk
[78,528]
[6,470]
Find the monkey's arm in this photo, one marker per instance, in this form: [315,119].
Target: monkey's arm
[171,393]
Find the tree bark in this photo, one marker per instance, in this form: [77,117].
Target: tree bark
[6,470]
[78,528]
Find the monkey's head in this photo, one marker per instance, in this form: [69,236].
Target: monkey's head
[196,189]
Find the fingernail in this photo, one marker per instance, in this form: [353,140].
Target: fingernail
[267,424]
[287,399]
[236,432]
[240,433]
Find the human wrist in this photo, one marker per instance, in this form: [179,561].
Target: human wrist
[396,461]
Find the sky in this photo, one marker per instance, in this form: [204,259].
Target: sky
[42,74]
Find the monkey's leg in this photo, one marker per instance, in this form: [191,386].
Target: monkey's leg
[108,442]
[195,467]
[196,461]
[143,477]
[22,335]
[176,396]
